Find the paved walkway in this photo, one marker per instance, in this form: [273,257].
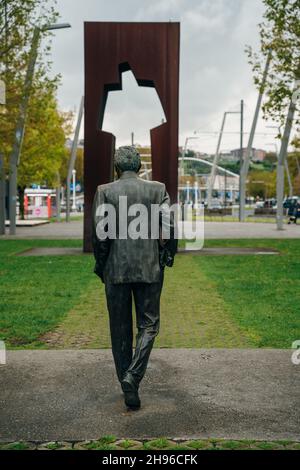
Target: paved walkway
[28,222]
[59,230]
[74,395]
[249,230]
[74,229]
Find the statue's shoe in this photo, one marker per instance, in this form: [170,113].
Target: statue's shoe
[131,396]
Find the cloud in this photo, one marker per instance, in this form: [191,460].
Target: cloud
[214,74]
[124,107]
[159,10]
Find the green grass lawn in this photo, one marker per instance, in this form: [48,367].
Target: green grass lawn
[37,293]
[207,301]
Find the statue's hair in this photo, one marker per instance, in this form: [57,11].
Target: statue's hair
[127,158]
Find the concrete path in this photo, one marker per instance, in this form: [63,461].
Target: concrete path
[28,222]
[227,230]
[74,395]
[249,230]
[60,230]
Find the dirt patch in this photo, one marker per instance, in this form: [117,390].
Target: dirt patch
[57,339]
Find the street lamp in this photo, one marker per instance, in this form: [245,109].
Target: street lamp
[74,189]
[246,160]
[212,177]
[286,166]
[73,158]
[20,127]
[56,26]
[196,186]
[185,151]
[187,192]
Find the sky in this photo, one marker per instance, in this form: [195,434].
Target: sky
[214,72]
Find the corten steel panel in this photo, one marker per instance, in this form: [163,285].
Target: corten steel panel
[151,52]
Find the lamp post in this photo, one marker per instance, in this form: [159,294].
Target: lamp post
[20,127]
[74,189]
[246,160]
[187,192]
[73,158]
[212,177]
[286,166]
[196,194]
[241,154]
[184,152]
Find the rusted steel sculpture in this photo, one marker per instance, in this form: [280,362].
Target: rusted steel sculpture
[151,52]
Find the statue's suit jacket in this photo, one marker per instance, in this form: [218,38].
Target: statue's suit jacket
[130,260]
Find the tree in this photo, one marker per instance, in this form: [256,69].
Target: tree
[231,166]
[294,165]
[280,34]
[44,150]
[44,141]
[79,157]
[17,21]
[79,165]
[15,31]
[270,160]
[262,184]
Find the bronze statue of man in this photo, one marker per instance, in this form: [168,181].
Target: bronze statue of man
[132,266]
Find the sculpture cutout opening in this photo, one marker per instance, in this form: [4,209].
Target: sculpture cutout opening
[133,108]
[151,51]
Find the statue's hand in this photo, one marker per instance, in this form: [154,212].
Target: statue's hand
[165,258]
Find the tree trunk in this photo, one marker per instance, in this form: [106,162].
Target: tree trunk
[21,193]
[2,196]
[58,198]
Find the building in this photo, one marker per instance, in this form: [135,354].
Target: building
[257,155]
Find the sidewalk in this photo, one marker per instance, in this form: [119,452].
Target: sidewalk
[226,230]
[74,395]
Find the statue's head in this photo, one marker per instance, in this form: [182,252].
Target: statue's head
[127,158]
